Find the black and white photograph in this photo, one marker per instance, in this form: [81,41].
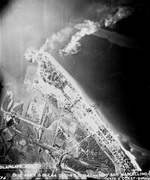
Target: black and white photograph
[74,89]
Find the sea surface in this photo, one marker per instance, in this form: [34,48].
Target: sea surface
[114,78]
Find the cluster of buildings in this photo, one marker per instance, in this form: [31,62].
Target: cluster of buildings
[51,78]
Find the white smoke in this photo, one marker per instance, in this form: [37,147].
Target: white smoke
[29,54]
[52,42]
[121,13]
[87,28]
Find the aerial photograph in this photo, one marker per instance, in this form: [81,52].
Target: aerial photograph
[74,89]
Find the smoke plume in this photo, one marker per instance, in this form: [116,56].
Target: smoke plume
[112,19]
[60,37]
[90,27]
[89,16]
[27,24]
[87,28]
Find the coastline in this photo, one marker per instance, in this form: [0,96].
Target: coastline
[140,154]
[121,137]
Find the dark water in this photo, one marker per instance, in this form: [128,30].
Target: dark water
[115,77]
[118,80]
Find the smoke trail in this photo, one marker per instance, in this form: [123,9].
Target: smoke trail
[87,28]
[90,27]
[52,42]
[112,19]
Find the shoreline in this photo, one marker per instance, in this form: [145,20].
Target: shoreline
[134,148]
[123,138]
